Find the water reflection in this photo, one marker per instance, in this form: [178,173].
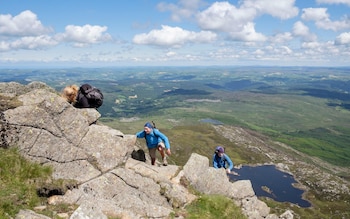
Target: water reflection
[269,182]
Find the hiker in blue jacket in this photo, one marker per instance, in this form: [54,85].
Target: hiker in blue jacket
[155,140]
[222,160]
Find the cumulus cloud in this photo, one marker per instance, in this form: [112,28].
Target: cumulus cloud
[28,43]
[301,30]
[322,20]
[170,54]
[283,9]
[222,16]
[343,39]
[286,50]
[282,37]
[238,21]
[38,42]
[346,2]
[323,49]
[24,24]
[173,36]
[84,35]
[248,33]
[184,8]
[25,31]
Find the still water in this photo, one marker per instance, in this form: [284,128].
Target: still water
[269,182]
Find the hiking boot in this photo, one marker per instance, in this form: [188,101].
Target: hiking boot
[165,162]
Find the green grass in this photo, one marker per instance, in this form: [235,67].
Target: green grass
[18,182]
[213,207]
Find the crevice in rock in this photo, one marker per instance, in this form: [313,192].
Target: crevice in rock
[132,186]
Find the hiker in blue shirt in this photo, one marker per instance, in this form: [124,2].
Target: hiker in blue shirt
[155,140]
[222,160]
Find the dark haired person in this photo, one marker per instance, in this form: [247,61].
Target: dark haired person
[222,160]
[155,140]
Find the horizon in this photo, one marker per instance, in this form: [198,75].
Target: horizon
[166,66]
[174,33]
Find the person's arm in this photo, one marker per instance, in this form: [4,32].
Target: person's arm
[215,163]
[229,161]
[163,137]
[140,134]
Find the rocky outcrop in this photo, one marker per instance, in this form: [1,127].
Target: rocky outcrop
[48,130]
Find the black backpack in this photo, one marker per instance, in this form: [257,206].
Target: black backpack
[139,155]
[93,94]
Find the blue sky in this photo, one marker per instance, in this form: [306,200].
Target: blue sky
[91,33]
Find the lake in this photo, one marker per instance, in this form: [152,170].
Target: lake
[267,181]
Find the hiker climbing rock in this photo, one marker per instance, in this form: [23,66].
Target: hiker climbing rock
[155,140]
[222,160]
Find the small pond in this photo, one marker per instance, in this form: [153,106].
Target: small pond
[270,182]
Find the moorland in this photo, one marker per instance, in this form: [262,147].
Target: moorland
[307,108]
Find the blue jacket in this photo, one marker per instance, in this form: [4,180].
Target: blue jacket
[154,138]
[222,162]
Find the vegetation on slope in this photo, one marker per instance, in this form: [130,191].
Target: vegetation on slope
[19,182]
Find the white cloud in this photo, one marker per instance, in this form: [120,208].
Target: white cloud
[84,35]
[222,16]
[38,42]
[322,21]
[28,43]
[4,46]
[346,2]
[301,30]
[184,8]
[343,38]
[259,52]
[282,37]
[24,24]
[248,34]
[170,54]
[324,50]
[173,36]
[238,22]
[286,50]
[283,9]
